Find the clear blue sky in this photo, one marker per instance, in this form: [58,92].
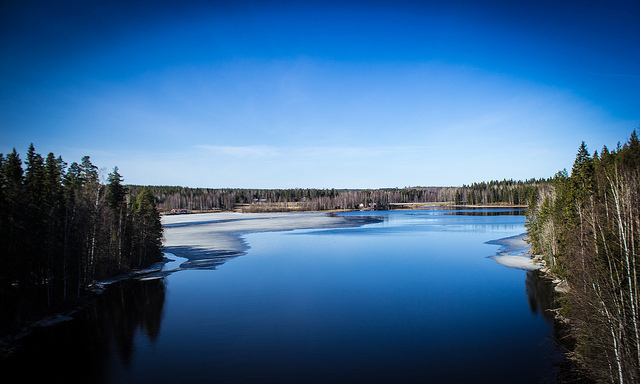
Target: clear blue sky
[331,94]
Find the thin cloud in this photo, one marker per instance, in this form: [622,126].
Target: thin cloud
[251,151]
[328,153]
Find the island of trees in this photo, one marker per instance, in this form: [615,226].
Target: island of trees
[61,229]
[587,226]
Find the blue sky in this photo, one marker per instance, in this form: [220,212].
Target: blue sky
[319,94]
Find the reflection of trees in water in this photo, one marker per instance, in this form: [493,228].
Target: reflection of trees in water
[543,300]
[541,295]
[128,306]
[82,350]
[511,212]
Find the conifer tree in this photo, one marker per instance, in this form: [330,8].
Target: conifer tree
[12,180]
[147,228]
[116,192]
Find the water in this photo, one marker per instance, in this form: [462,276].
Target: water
[413,298]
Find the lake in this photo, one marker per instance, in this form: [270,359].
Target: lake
[398,296]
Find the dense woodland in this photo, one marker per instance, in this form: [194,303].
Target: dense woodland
[587,224]
[254,200]
[61,229]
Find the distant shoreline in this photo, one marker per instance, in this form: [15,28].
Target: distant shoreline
[291,208]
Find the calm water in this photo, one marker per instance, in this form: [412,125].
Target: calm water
[413,298]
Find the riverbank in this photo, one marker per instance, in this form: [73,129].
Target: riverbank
[514,252]
[560,285]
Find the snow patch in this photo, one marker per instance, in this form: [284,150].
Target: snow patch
[518,262]
[512,253]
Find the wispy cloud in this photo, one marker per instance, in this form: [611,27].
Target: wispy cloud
[249,151]
[309,153]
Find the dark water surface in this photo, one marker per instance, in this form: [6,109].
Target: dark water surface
[412,299]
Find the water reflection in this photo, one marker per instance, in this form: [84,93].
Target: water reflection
[543,302]
[510,212]
[471,211]
[541,296]
[100,337]
[407,299]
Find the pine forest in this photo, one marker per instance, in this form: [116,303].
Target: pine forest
[61,229]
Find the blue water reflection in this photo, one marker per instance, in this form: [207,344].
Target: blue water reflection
[412,298]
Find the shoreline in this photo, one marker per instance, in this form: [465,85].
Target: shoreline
[510,255]
[275,208]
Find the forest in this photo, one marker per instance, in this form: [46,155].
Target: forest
[61,229]
[587,226]
[256,200]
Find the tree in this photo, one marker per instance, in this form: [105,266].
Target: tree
[88,172]
[12,191]
[34,252]
[53,199]
[147,228]
[116,192]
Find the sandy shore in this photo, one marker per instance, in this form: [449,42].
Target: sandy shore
[512,253]
[207,240]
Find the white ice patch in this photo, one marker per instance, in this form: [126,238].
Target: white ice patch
[511,253]
[518,262]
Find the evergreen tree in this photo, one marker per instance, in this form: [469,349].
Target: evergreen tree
[116,192]
[147,228]
[88,173]
[35,211]
[13,193]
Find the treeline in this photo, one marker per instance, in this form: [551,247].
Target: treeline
[505,191]
[61,229]
[203,199]
[587,224]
